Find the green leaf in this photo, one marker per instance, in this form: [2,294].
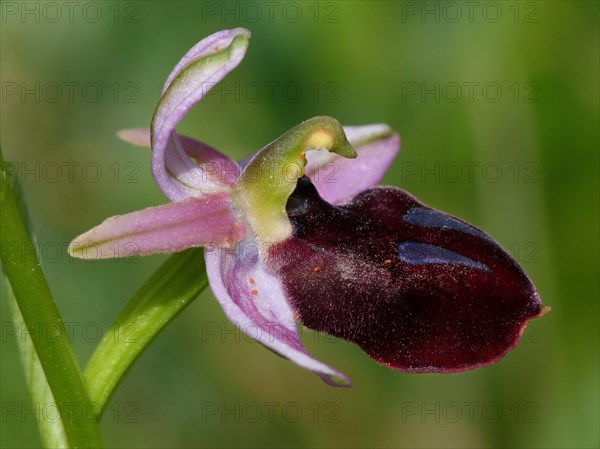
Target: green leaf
[62,381]
[172,287]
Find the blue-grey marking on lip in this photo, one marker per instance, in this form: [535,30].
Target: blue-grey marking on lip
[430,218]
[415,253]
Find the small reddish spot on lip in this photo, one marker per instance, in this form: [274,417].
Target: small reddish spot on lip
[251,280]
[254,292]
[387,261]
[316,269]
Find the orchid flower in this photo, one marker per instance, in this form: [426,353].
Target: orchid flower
[301,232]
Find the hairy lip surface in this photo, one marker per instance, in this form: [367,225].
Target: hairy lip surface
[452,300]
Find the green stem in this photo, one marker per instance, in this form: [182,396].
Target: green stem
[43,321]
[52,432]
[168,291]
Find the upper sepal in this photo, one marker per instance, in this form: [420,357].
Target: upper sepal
[207,63]
[415,288]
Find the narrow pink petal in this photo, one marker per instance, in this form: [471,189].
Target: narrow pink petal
[253,299]
[338,179]
[218,169]
[140,137]
[201,221]
[201,68]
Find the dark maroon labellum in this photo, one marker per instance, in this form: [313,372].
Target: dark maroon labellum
[415,288]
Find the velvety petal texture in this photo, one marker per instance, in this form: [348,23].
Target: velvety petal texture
[207,220]
[209,61]
[417,289]
[338,179]
[252,298]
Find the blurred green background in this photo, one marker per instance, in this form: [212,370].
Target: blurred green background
[516,154]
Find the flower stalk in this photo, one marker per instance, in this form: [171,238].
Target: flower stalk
[22,268]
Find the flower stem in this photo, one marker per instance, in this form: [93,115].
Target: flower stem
[52,432]
[42,319]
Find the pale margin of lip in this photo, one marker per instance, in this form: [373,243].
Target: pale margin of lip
[253,299]
[207,63]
